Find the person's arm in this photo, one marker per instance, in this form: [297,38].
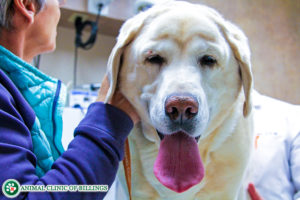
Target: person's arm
[295,172]
[91,158]
[292,133]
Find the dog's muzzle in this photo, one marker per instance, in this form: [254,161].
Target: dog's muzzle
[181,111]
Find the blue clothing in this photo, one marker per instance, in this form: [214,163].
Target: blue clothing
[46,96]
[91,158]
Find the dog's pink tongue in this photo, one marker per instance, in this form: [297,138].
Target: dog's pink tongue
[178,165]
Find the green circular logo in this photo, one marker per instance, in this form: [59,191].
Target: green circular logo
[11,188]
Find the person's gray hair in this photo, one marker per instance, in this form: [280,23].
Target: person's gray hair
[7,12]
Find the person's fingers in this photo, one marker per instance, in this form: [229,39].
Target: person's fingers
[253,193]
[103,89]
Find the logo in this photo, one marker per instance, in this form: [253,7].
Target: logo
[11,188]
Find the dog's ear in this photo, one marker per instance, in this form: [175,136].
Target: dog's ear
[128,32]
[126,35]
[239,45]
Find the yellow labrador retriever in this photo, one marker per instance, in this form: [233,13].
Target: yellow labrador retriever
[187,72]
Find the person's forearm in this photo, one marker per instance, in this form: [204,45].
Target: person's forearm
[92,158]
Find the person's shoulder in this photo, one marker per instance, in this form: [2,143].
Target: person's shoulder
[267,102]
[12,102]
[6,97]
[279,113]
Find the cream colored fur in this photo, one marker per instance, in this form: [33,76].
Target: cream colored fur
[182,33]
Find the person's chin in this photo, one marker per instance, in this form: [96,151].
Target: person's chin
[50,47]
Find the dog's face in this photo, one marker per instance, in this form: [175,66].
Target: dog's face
[181,73]
[182,67]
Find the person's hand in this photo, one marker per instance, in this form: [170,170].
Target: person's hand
[253,192]
[118,100]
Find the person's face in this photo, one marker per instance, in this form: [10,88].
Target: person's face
[44,29]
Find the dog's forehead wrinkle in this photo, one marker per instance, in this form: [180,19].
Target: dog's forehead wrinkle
[182,27]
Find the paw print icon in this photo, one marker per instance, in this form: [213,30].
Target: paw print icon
[11,188]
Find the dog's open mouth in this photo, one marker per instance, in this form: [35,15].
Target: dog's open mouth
[161,136]
[178,165]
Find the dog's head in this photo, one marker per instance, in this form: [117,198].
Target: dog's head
[183,67]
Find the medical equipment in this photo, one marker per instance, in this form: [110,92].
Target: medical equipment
[80,26]
[143,5]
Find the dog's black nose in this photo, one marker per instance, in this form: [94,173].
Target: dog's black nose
[181,108]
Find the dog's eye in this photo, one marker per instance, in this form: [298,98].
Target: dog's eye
[155,59]
[207,61]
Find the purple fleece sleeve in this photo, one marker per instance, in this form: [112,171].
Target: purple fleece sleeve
[92,157]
